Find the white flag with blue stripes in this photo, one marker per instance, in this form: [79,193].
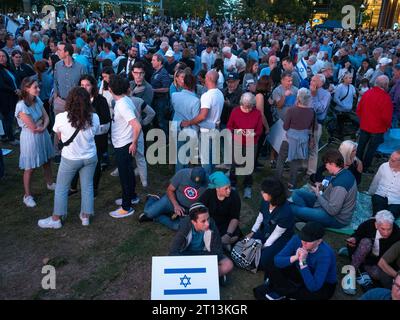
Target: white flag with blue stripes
[207,20]
[185,278]
[10,25]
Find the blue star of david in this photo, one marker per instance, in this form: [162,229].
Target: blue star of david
[185,281]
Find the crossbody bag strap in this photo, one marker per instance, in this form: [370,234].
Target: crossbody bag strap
[69,141]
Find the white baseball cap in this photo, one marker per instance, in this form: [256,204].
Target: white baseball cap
[384,61]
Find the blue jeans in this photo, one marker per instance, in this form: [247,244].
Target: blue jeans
[302,207]
[66,172]
[160,211]
[126,176]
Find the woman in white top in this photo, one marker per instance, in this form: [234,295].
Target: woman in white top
[76,128]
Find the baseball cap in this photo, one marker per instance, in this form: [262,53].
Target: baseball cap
[384,61]
[169,53]
[198,175]
[312,231]
[232,76]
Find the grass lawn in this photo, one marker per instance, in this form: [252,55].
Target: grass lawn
[110,259]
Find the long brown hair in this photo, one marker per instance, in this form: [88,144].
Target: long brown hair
[25,85]
[40,67]
[79,108]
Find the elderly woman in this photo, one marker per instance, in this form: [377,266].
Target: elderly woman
[246,124]
[275,221]
[348,149]
[368,244]
[37,46]
[298,123]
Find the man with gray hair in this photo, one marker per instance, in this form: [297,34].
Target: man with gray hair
[229,60]
[320,100]
[375,112]
[368,244]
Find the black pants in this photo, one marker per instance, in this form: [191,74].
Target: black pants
[126,175]
[380,203]
[248,179]
[368,143]
[8,125]
[342,118]
[288,282]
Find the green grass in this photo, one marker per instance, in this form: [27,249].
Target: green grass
[110,259]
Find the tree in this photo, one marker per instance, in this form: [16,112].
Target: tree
[297,11]
[233,8]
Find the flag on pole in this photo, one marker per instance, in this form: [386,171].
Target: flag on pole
[308,26]
[10,25]
[301,68]
[207,20]
[184,26]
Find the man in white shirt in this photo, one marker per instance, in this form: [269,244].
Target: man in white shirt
[229,60]
[385,188]
[125,131]
[208,57]
[211,105]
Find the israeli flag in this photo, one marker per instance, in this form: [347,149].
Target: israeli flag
[301,68]
[10,25]
[308,26]
[207,20]
[185,278]
[184,26]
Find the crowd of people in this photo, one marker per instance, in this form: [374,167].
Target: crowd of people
[94,88]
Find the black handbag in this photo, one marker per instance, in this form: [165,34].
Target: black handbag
[68,142]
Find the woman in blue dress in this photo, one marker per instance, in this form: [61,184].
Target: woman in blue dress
[275,222]
[36,148]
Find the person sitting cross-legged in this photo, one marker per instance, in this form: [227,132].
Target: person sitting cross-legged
[334,206]
[368,244]
[198,235]
[275,222]
[224,205]
[185,188]
[305,269]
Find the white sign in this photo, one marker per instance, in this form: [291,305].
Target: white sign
[276,135]
[185,278]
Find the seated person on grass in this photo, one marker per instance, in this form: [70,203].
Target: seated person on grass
[385,188]
[186,187]
[390,263]
[223,205]
[275,221]
[305,269]
[368,244]
[383,293]
[198,235]
[334,206]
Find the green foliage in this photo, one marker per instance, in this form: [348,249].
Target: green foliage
[335,12]
[297,11]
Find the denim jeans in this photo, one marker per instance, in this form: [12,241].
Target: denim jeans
[126,176]
[66,172]
[140,158]
[302,208]
[160,211]
[206,151]
[368,143]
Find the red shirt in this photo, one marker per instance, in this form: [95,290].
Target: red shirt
[245,121]
[375,111]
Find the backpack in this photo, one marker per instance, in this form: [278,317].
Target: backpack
[246,254]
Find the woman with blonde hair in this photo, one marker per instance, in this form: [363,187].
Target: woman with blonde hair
[348,149]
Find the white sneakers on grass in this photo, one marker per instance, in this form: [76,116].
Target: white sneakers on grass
[49,223]
[51,187]
[29,201]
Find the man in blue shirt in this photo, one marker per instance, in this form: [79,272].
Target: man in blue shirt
[383,293]
[304,269]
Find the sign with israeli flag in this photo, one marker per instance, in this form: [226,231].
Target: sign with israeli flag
[10,25]
[185,278]
[207,20]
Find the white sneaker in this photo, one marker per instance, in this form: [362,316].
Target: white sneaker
[29,202]
[49,223]
[118,202]
[85,221]
[51,187]
[115,173]
[247,193]
[121,213]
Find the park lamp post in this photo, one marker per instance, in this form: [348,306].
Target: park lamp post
[362,9]
[313,11]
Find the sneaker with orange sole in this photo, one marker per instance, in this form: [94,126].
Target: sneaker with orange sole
[121,213]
